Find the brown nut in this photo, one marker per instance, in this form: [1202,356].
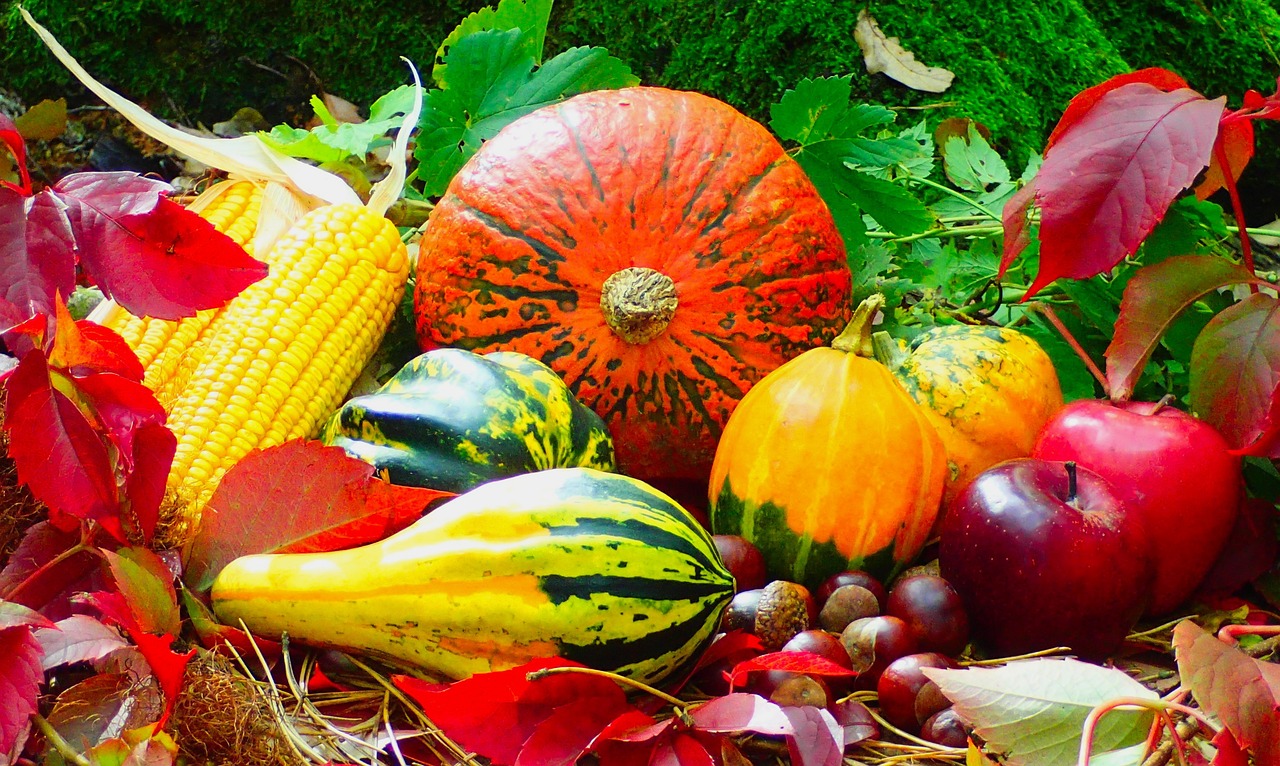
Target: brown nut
[784,610]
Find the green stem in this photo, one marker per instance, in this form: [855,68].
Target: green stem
[679,703]
[856,336]
[60,744]
[948,190]
[941,232]
[887,351]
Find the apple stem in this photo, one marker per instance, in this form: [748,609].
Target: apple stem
[1165,401]
[1052,316]
[1071,483]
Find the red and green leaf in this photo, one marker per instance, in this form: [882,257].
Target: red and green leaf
[1235,375]
[78,638]
[37,257]
[1243,692]
[1111,174]
[82,348]
[299,497]
[43,571]
[1153,299]
[146,584]
[150,254]
[20,670]
[1084,101]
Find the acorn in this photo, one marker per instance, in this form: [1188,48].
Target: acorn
[784,609]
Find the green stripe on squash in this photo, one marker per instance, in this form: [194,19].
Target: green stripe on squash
[452,420]
[578,563]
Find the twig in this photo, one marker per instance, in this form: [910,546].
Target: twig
[935,748]
[1027,656]
[63,747]
[1161,755]
[679,703]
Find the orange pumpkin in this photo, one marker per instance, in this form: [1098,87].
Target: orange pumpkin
[828,464]
[656,248]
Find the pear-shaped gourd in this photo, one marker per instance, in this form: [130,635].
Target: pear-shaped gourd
[827,464]
[576,563]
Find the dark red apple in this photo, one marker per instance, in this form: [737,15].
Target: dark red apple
[1168,467]
[743,560]
[1043,554]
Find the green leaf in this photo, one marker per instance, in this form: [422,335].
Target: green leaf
[1073,377]
[147,586]
[1153,298]
[1033,711]
[892,206]
[873,260]
[971,163]
[1094,300]
[1235,385]
[528,17]
[807,112]
[494,82]
[828,181]
[333,141]
[872,154]
[1186,228]
[860,117]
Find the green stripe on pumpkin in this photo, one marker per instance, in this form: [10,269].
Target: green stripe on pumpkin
[787,555]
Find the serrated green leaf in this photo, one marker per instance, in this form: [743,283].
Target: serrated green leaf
[298,142]
[332,141]
[528,17]
[873,260]
[1033,166]
[993,200]
[1094,299]
[872,154]
[1033,711]
[494,83]
[322,112]
[971,164]
[1185,230]
[848,217]
[859,117]
[392,105]
[921,165]
[807,112]
[890,205]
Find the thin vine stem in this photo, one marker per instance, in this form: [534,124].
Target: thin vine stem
[1237,208]
[83,546]
[679,703]
[1052,316]
[954,193]
[59,743]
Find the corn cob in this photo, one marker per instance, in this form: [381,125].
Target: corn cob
[170,350]
[281,356]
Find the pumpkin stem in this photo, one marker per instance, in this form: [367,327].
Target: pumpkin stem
[856,337]
[887,350]
[638,303]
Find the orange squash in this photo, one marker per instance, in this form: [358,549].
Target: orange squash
[987,391]
[828,464]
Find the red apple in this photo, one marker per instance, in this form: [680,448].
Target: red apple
[1044,554]
[1171,469]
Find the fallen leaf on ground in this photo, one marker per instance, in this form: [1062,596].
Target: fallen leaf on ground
[886,54]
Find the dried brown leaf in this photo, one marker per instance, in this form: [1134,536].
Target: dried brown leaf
[886,54]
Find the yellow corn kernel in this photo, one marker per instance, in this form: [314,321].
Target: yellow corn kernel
[169,350]
[275,365]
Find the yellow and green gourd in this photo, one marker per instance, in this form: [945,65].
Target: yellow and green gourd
[451,420]
[576,563]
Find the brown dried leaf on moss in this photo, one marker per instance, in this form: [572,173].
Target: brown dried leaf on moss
[886,54]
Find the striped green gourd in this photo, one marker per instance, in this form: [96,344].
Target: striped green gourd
[577,563]
[452,420]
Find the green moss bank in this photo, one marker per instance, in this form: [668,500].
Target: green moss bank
[1016,64]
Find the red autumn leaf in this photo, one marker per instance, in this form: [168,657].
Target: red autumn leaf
[1111,176]
[564,736]
[79,638]
[494,714]
[1153,299]
[1017,225]
[300,496]
[167,666]
[147,586]
[681,749]
[1244,693]
[1235,138]
[1235,374]
[856,720]
[10,137]
[736,713]
[1229,751]
[1087,99]
[1250,551]
[817,740]
[50,590]
[807,663]
[37,252]
[735,643]
[81,348]
[150,254]
[20,671]
[57,452]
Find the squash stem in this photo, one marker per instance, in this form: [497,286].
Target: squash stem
[887,350]
[856,336]
[679,703]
